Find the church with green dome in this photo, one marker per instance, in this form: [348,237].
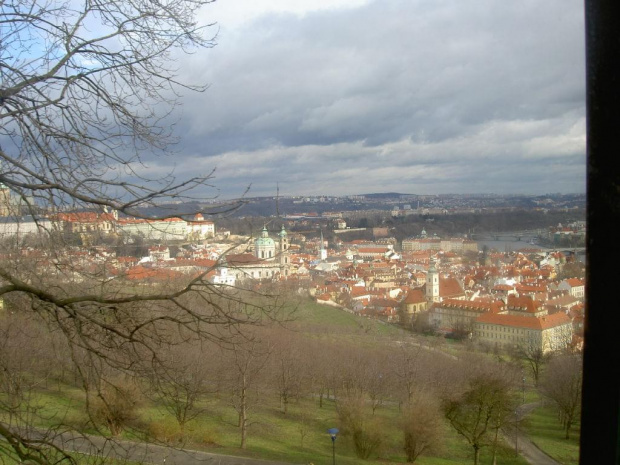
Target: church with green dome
[265,246]
[267,249]
[270,260]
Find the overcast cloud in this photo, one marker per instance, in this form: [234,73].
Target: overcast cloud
[414,96]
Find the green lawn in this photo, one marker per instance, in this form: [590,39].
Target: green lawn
[544,430]
[297,437]
[274,435]
[311,316]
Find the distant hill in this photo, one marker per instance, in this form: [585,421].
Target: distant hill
[386,195]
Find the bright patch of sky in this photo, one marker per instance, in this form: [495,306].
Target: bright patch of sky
[231,14]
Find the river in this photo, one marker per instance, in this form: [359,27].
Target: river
[524,243]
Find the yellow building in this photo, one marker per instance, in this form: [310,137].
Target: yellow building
[547,333]
[525,322]
[460,315]
[5,200]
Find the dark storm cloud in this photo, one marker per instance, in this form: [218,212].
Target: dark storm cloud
[448,96]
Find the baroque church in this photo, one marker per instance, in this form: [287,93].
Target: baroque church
[270,260]
[437,289]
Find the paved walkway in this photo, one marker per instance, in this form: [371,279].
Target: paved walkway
[527,449]
[154,454]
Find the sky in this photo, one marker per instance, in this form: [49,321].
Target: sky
[344,97]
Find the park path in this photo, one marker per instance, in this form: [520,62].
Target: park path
[153,454]
[526,448]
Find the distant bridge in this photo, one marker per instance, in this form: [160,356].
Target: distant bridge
[570,250]
[507,236]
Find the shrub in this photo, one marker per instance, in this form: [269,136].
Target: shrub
[366,439]
[116,404]
[361,426]
[167,431]
[421,424]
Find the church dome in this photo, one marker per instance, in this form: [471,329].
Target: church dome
[264,242]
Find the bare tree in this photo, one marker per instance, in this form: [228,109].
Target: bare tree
[304,425]
[481,409]
[534,356]
[319,368]
[87,90]
[287,366]
[244,365]
[406,369]
[421,423]
[24,363]
[180,378]
[378,377]
[362,427]
[116,403]
[562,384]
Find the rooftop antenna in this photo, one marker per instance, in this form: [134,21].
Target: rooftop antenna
[277,200]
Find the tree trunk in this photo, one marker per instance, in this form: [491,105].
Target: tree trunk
[243,418]
[476,455]
[494,462]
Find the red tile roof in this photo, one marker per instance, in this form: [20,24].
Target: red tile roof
[483,306]
[415,296]
[574,282]
[450,287]
[140,273]
[242,259]
[529,322]
[523,303]
[86,217]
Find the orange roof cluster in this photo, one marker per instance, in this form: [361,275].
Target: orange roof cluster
[146,220]
[523,303]
[530,288]
[242,259]
[450,287]
[493,307]
[415,296]
[139,273]
[528,322]
[574,282]
[86,217]
[375,250]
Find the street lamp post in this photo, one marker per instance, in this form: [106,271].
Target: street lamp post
[517,434]
[333,432]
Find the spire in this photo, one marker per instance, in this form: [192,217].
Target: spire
[433,265]
[322,251]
